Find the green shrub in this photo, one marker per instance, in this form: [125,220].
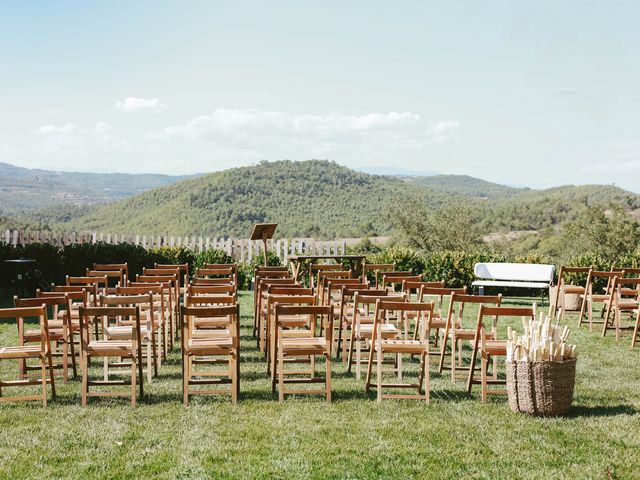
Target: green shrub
[77,258]
[174,255]
[404,258]
[245,270]
[213,255]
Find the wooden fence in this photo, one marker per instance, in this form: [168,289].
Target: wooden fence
[243,250]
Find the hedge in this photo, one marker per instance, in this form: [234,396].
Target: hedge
[455,268]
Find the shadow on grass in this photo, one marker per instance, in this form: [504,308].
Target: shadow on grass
[601,411]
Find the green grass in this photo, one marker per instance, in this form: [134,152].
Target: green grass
[456,436]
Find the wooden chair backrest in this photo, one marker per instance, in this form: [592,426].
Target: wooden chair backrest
[402,309]
[200,300]
[112,266]
[410,286]
[496,313]
[231,313]
[377,269]
[210,290]
[458,302]
[313,312]
[439,293]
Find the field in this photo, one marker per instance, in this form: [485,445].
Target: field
[454,437]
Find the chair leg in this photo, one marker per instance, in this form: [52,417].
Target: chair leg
[233,360]
[358,358]
[427,378]
[53,380]
[85,379]
[379,370]
[351,343]
[454,346]
[280,375]
[149,363]
[43,373]
[133,380]
[185,379]
[72,349]
[327,378]
[483,375]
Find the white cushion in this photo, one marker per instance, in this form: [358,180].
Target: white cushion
[527,272]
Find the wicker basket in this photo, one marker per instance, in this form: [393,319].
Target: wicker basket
[541,388]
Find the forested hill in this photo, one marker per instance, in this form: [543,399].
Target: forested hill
[321,199]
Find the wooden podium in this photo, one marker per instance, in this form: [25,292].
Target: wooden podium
[264,232]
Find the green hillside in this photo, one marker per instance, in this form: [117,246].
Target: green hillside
[321,199]
[313,198]
[465,185]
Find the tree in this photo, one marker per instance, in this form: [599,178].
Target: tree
[451,227]
[609,234]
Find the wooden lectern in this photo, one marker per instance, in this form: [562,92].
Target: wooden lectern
[264,232]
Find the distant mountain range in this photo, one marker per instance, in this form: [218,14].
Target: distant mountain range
[311,198]
[32,189]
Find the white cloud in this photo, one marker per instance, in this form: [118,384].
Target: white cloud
[135,104]
[72,138]
[404,128]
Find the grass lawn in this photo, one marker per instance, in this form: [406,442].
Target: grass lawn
[454,437]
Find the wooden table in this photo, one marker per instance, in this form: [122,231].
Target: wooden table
[299,261]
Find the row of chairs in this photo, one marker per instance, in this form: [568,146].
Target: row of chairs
[128,324]
[618,298]
[376,323]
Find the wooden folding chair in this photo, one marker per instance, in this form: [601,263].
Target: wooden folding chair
[623,300]
[161,311]
[489,347]
[437,296]
[294,342]
[260,295]
[316,268]
[384,344]
[559,305]
[172,299]
[183,275]
[42,352]
[95,347]
[592,296]
[219,342]
[59,334]
[362,325]
[455,330]
[324,277]
[344,319]
[150,330]
[301,296]
[372,272]
[280,274]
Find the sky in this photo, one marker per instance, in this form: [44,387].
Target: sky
[523,93]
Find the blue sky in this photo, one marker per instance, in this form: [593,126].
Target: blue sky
[527,93]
